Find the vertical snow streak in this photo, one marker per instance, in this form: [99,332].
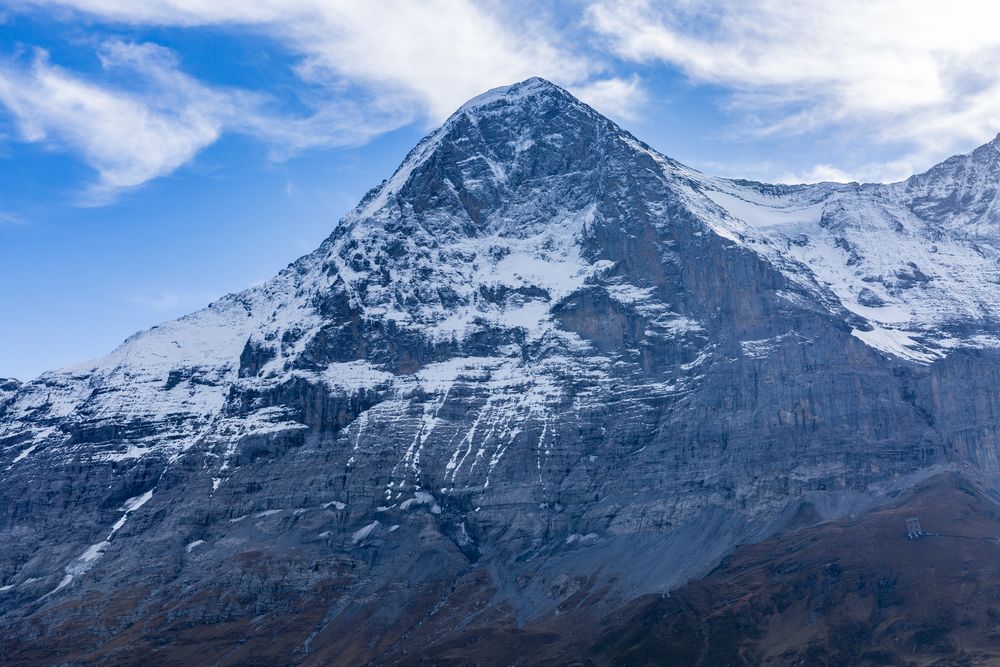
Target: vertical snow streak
[428,421]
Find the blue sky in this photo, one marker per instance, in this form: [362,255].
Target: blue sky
[158,154]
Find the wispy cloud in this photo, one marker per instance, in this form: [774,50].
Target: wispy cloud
[434,54]
[128,137]
[919,73]
[623,98]
[146,117]
[364,67]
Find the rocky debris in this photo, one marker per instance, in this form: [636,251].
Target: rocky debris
[854,591]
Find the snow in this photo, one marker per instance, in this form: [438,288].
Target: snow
[508,94]
[421,498]
[355,375]
[85,561]
[131,452]
[543,257]
[765,212]
[760,349]
[192,545]
[63,583]
[895,342]
[361,534]
[25,454]
[132,504]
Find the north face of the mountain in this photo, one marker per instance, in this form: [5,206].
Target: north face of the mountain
[541,361]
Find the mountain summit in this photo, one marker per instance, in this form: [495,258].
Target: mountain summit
[541,368]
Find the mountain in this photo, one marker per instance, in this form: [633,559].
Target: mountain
[541,373]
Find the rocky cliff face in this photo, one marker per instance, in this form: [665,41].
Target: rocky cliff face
[541,359]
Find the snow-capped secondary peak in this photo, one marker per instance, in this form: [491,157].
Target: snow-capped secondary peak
[962,194]
[916,260]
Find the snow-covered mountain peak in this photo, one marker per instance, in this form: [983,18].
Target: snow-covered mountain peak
[495,202]
[481,226]
[517,93]
[488,146]
[960,194]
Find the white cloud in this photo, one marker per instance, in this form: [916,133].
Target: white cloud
[435,54]
[915,72]
[365,68]
[622,98]
[10,219]
[128,138]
